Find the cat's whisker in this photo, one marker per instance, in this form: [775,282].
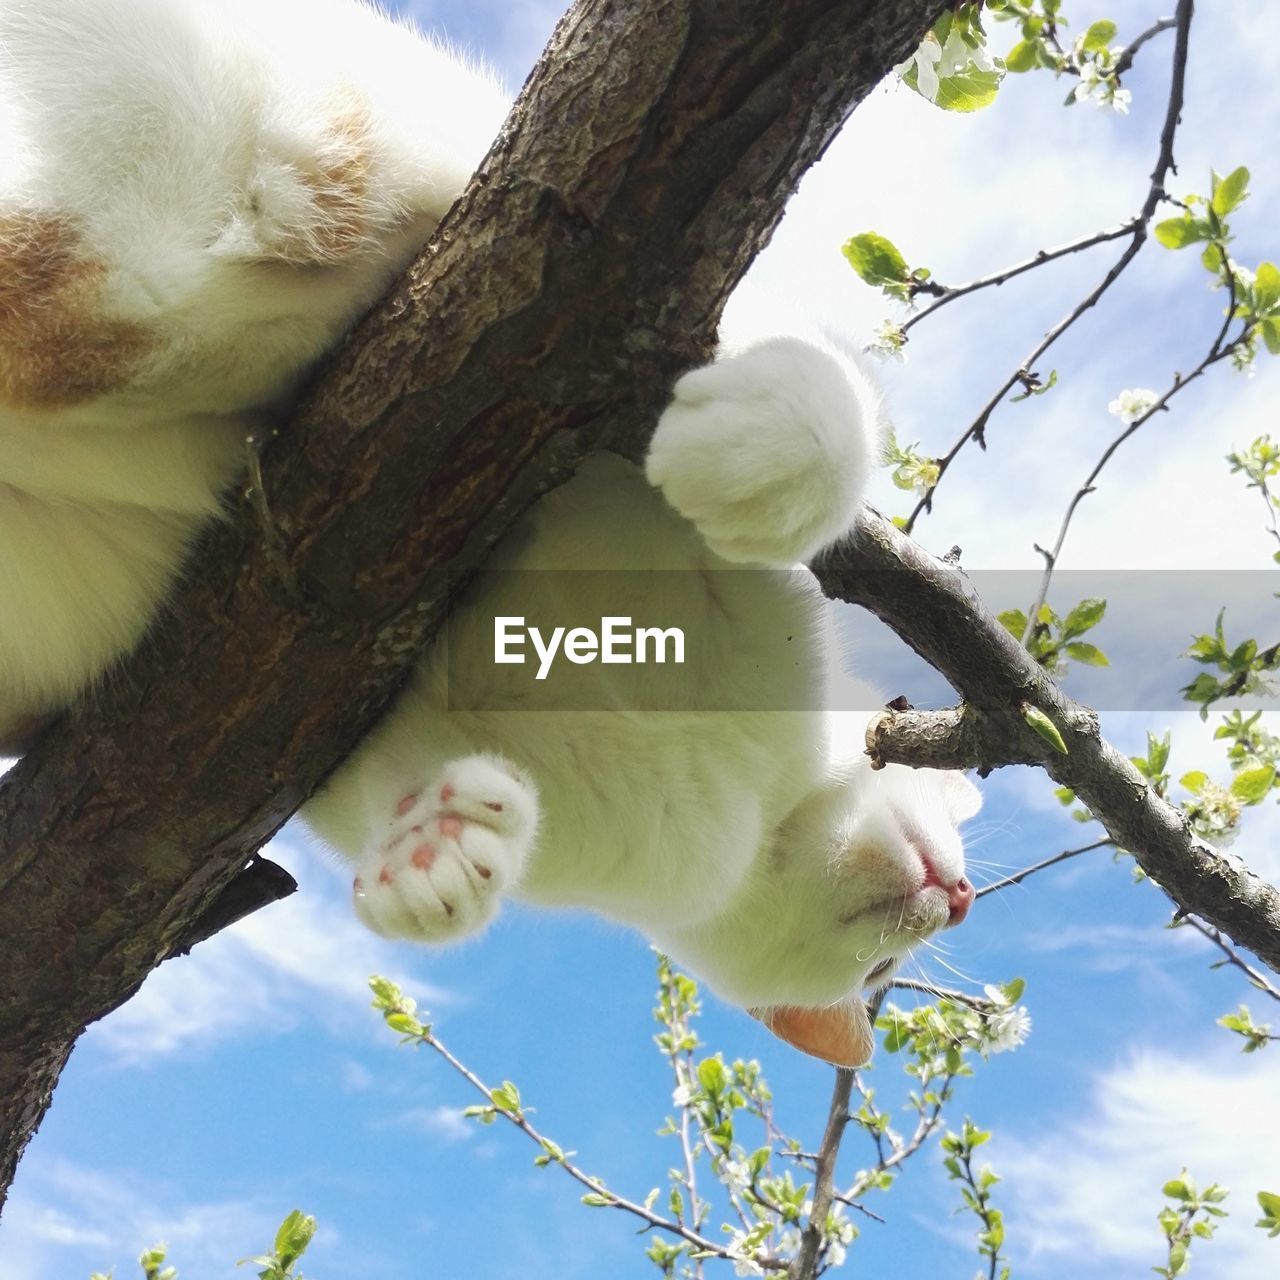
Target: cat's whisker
[983,831]
[983,862]
[964,977]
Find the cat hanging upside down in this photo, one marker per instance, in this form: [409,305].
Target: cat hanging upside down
[197,199]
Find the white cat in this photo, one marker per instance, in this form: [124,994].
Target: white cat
[197,198]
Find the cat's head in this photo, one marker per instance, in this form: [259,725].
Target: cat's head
[893,875]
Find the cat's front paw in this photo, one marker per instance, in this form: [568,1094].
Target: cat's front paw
[453,848]
[768,452]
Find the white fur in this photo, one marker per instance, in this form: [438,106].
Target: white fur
[185,142]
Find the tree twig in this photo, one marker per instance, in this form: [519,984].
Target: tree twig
[1233,957]
[593,1185]
[1220,350]
[1020,876]
[1140,225]
[1039,259]
[1125,60]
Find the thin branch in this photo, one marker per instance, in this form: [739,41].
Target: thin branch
[939,993]
[1040,258]
[594,1185]
[929,1119]
[1125,60]
[1139,229]
[1219,350]
[1040,866]
[1233,957]
[805,1264]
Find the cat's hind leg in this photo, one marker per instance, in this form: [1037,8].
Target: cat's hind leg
[768,452]
[448,854]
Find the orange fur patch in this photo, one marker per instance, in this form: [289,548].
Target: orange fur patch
[339,183]
[57,347]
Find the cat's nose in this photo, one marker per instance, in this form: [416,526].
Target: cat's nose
[960,898]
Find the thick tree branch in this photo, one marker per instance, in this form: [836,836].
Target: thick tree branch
[647,161]
[930,604]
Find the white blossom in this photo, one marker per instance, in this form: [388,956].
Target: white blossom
[1007,1030]
[1119,101]
[736,1175]
[925,59]
[1130,405]
[957,54]
[888,343]
[683,1094]
[744,1263]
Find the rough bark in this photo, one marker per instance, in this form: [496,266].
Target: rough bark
[647,161]
[930,604]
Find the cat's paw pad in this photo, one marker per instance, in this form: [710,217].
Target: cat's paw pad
[452,849]
[768,452]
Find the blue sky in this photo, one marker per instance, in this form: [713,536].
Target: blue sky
[251,1077]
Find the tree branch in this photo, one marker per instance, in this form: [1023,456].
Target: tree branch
[647,161]
[931,605]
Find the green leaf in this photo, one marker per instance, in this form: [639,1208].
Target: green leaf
[1229,192]
[1082,652]
[405,1023]
[1266,286]
[1099,35]
[876,259]
[1252,785]
[1176,1189]
[1194,781]
[971,90]
[506,1097]
[1012,991]
[1014,621]
[711,1075]
[596,1201]
[1086,615]
[1023,56]
[1271,334]
[1044,727]
[294,1236]
[1177,233]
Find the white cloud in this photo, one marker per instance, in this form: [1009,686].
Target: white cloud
[61,1213]
[444,1123]
[304,958]
[1085,1191]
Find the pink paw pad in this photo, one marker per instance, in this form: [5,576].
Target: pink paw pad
[447,793]
[406,803]
[451,826]
[385,876]
[423,857]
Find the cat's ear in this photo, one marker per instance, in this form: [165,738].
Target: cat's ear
[839,1033]
[963,798]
